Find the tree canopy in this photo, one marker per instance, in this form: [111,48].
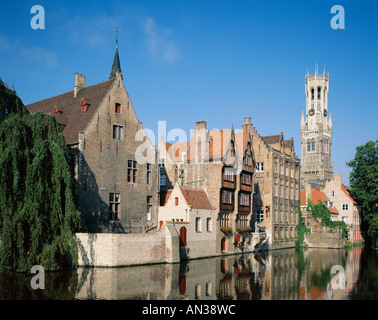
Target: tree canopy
[364,185]
[38,215]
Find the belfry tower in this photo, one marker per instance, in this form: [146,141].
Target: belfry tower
[316,132]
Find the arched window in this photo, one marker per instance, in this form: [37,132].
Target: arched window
[319,92]
[312,93]
[313,144]
[308,145]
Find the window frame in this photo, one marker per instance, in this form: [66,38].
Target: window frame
[117,133]
[197,224]
[132,171]
[161,179]
[260,166]
[117,108]
[148,174]
[114,206]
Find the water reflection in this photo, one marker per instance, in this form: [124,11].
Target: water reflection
[277,275]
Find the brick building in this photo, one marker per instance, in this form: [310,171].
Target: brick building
[348,208]
[220,162]
[112,158]
[276,186]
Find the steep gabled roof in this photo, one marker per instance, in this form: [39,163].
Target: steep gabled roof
[241,139]
[346,190]
[164,197]
[75,120]
[116,67]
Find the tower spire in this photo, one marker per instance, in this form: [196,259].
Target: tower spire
[116,67]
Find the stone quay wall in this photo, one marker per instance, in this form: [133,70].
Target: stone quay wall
[116,250]
[324,240]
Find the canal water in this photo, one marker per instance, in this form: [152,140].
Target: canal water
[286,274]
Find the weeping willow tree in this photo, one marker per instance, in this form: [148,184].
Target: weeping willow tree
[38,215]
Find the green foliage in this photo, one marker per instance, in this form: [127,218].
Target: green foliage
[37,210]
[10,102]
[364,185]
[302,229]
[322,215]
[373,227]
[226,229]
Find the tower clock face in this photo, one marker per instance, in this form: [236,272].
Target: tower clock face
[311,112]
[325,112]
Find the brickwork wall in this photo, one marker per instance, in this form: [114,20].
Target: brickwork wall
[340,199]
[324,240]
[279,205]
[103,168]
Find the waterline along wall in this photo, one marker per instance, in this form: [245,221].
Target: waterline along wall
[115,250]
[163,246]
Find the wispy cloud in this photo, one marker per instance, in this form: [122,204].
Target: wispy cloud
[33,54]
[158,40]
[94,32]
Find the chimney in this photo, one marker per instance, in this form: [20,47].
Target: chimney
[247,124]
[338,179]
[201,125]
[79,83]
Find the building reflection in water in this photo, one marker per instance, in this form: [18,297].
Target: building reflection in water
[277,275]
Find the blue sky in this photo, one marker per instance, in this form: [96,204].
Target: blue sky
[219,61]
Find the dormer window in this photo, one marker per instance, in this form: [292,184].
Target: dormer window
[117,108]
[84,105]
[58,110]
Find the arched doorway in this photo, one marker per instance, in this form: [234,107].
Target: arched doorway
[183,237]
[223,244]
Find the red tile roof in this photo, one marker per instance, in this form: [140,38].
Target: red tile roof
[316,196]
[75,121]
[197,199]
